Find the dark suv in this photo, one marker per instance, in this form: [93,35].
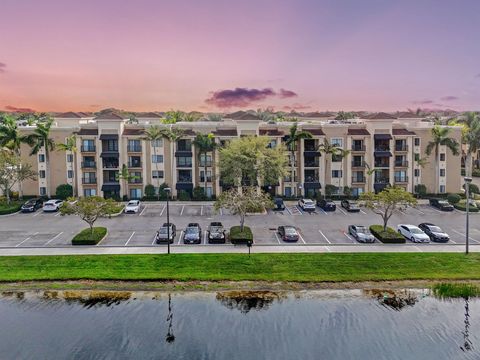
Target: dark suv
[326,205]
[216,233]
[441,204]
[32,205]
[162,234]
[278,204]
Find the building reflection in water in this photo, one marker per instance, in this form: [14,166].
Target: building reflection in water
[170,338]
[467,344]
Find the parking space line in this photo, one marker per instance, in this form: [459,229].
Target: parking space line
[164,207]
[342,211]
[288,210]
[421,212]
[183,208]
[144,208]
[28,238]
[328,249]
[459,233]
[201,211]
[57,214]
[180,237]
[221,212]
[205,237]
[321,233]
[418,249]
[301,238]
[323,211]
[55,237]
[278,239]
[130,238]
[363,212]
[36,214]
[153,242]
[348,236]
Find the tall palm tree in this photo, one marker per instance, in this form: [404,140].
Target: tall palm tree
[125,176]
[11,138]
[41,139]
[421,163]
[331,150]
[470,137]
[440,136]
[172,135]
[204,143]
[370,171]
[295,136]
[70,145]
[152,134]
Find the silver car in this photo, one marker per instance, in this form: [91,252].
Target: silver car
[361,233]
[306,204]
[413,233]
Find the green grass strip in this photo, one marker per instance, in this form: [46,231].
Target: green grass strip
[456,290]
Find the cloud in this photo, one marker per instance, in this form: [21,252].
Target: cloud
[2,67]
[296,106]
[423,102]
[239,97]
[17,109]
[285,94]
[449,98]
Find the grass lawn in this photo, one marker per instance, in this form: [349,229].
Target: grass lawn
[268,267]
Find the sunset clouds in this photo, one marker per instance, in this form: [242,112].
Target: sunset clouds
[244,97]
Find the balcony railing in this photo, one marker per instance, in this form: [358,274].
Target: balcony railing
[135,181]
[110,165]
[136,164]
[312,164]
[134,148]
[401,179]
[287,179]
[184,179]
[312,179]
[382,180]
[184,165]
[89,148]
[382,164]
[89,165]
[358,164]
[358,180]
[382,149]
[401,163]
[358,148]
[401,147]
[89,180]
[205,163]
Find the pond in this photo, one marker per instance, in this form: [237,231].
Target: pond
[353,324]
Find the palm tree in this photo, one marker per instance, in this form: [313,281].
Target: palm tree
[370,171]
[173,116]
[204,143]
[70,145]
[152,134]
[41,139]
[294,136]
[331,150]
[172,135]
[12,139]
[440,136]
[471,137]
[125,176]
[421,163]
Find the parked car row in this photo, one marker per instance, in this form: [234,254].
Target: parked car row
[193,233]
[327,205]
[33,205]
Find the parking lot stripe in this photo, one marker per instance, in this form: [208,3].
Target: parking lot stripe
[55,237]
[459,233]
[180,237]
[164,207]
[278,239]
[205,237]
[301,238]
[57,214]
[36,214]
[144,208]
[421,212]
[183,208]
[321,233]
[348,236]
[288,210]
[28,238]
[342,211]
[201,211]
[323,211]
[130,238]
[221,212]
[363,212]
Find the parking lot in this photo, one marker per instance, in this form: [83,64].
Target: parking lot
[318,228]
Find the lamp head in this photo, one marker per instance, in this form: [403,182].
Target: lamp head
[467,179]
[167,189]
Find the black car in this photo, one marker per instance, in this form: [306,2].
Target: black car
[434,232]
[441,204]
[193,234]
[350,206]
[279,205]
[288,233]
[216,233]
[326,205]
[162,234]
[32,205]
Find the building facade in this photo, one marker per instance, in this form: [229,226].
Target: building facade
[382,150]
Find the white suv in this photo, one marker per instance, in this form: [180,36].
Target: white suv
[306,204]
[52,205]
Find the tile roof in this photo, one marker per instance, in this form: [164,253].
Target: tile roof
[402,132]
[69,115]
[242,115]
[380,116]
[271,132]
[127,131]
[109,116]
[408,115]
[225,132]
[358,132]
[149,115]
[88,132]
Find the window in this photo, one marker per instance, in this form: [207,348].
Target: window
[209,191]
[442,157]
[41,174]
[184,161]
[401,176]
[272,144]
[157,174]
[337,157]
[70,174]
[416,172]
[417,156]
[135,193]
[134,145]
[206,160]
[288,191]
[134,161]
[69,158]
[110,145]
[43,191]
[442,172]
[417,141]
[336,173]
[89,192]
[157,143]
[184,145]
[209,176]
[442,189]
[157,159]
[88,145]
[337,142]
[357,191]
[41,158]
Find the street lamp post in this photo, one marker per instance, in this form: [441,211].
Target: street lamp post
[168,190]
[468,180]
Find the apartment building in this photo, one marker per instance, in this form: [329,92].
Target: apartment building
[382,150]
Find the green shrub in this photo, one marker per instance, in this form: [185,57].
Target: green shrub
[462,206]
[199,193]
[85,237]
[473,188]
[161,191]
[64,191]
[240,237]
[183,195]
[421,189]
[330,190]
[453,198]
[347,191]
[149,191]
[116,209]
[387,237]
[11,208]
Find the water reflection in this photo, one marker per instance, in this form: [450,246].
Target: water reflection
[394,299]
[244,301]
[467,344]
[170,338]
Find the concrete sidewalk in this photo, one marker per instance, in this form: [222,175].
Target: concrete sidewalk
[216,249]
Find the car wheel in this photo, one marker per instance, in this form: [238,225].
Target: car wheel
[412,239]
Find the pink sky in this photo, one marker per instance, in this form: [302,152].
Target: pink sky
[86,55]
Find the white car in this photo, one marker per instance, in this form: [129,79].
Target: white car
[306,204]
[52,205]
[132,207]
[413,233]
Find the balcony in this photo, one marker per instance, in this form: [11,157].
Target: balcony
[382,180]
[312,164]
[89,180]
[311,178]
[89,165]
[135,181]
[137,148]
[134,164]
[88,148]
[202,179]
[110,164]
[358,148]
[205,163]
[382,164]
[401,163]
[358,164]
[358,180]
[287,179]
[401,179]
[401,148]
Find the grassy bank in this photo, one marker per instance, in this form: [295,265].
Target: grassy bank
[456,290]
[236,267]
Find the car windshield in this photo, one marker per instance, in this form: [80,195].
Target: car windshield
[415,231]
[308,202]
[290,231]
[362,230]
[443,202]
[163,230]
[191,230]
[30,202]
[435,229]
[133,203]
[216,229]
[351,203]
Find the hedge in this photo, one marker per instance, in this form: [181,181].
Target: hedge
[387,237]
[11,208]
[239,237]
[85,237]
[462,205]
